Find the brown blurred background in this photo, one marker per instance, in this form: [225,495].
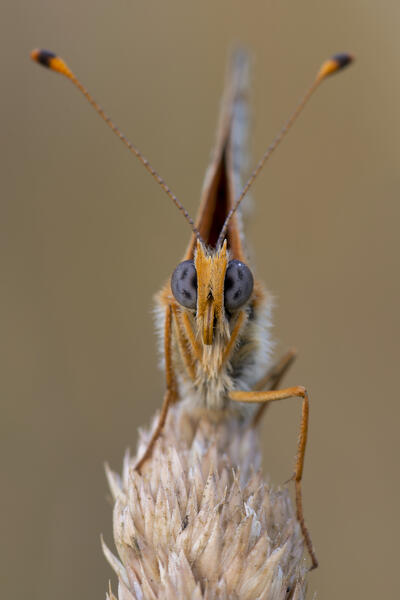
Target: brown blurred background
[87,238]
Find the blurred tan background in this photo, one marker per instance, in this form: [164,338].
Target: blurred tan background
[87,238]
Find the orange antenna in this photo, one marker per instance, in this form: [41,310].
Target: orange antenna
[330,66]
[55,63]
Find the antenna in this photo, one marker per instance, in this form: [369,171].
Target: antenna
[330,66]
[56,63]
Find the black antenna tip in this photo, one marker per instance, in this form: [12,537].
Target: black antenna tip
[43,57]
[333,65]
[343,59]
[51,61]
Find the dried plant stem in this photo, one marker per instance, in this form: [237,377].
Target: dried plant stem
[199,522]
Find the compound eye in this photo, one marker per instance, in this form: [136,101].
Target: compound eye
[184,284]
[238,284]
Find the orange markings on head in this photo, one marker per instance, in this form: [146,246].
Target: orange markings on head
[211,271]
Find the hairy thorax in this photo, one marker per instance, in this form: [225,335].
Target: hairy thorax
[216,369]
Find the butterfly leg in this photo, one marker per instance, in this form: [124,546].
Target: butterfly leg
[272,379]
[170,393]
[271,396]
[186,355]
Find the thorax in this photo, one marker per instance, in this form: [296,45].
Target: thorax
[205,374]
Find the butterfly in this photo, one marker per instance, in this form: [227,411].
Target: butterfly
[213,314]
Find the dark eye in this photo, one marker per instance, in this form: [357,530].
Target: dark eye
[238,284]
[184,284]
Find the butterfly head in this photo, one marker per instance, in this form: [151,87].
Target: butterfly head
[213,288]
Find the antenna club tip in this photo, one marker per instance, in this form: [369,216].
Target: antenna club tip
[334,64]
[43,57]
[48,59]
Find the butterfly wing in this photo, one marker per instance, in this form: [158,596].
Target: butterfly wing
[223,178]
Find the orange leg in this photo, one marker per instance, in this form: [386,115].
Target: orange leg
[194,344]
[272,379]
[234,336]
[270,396]
[183,344]
[170,393]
